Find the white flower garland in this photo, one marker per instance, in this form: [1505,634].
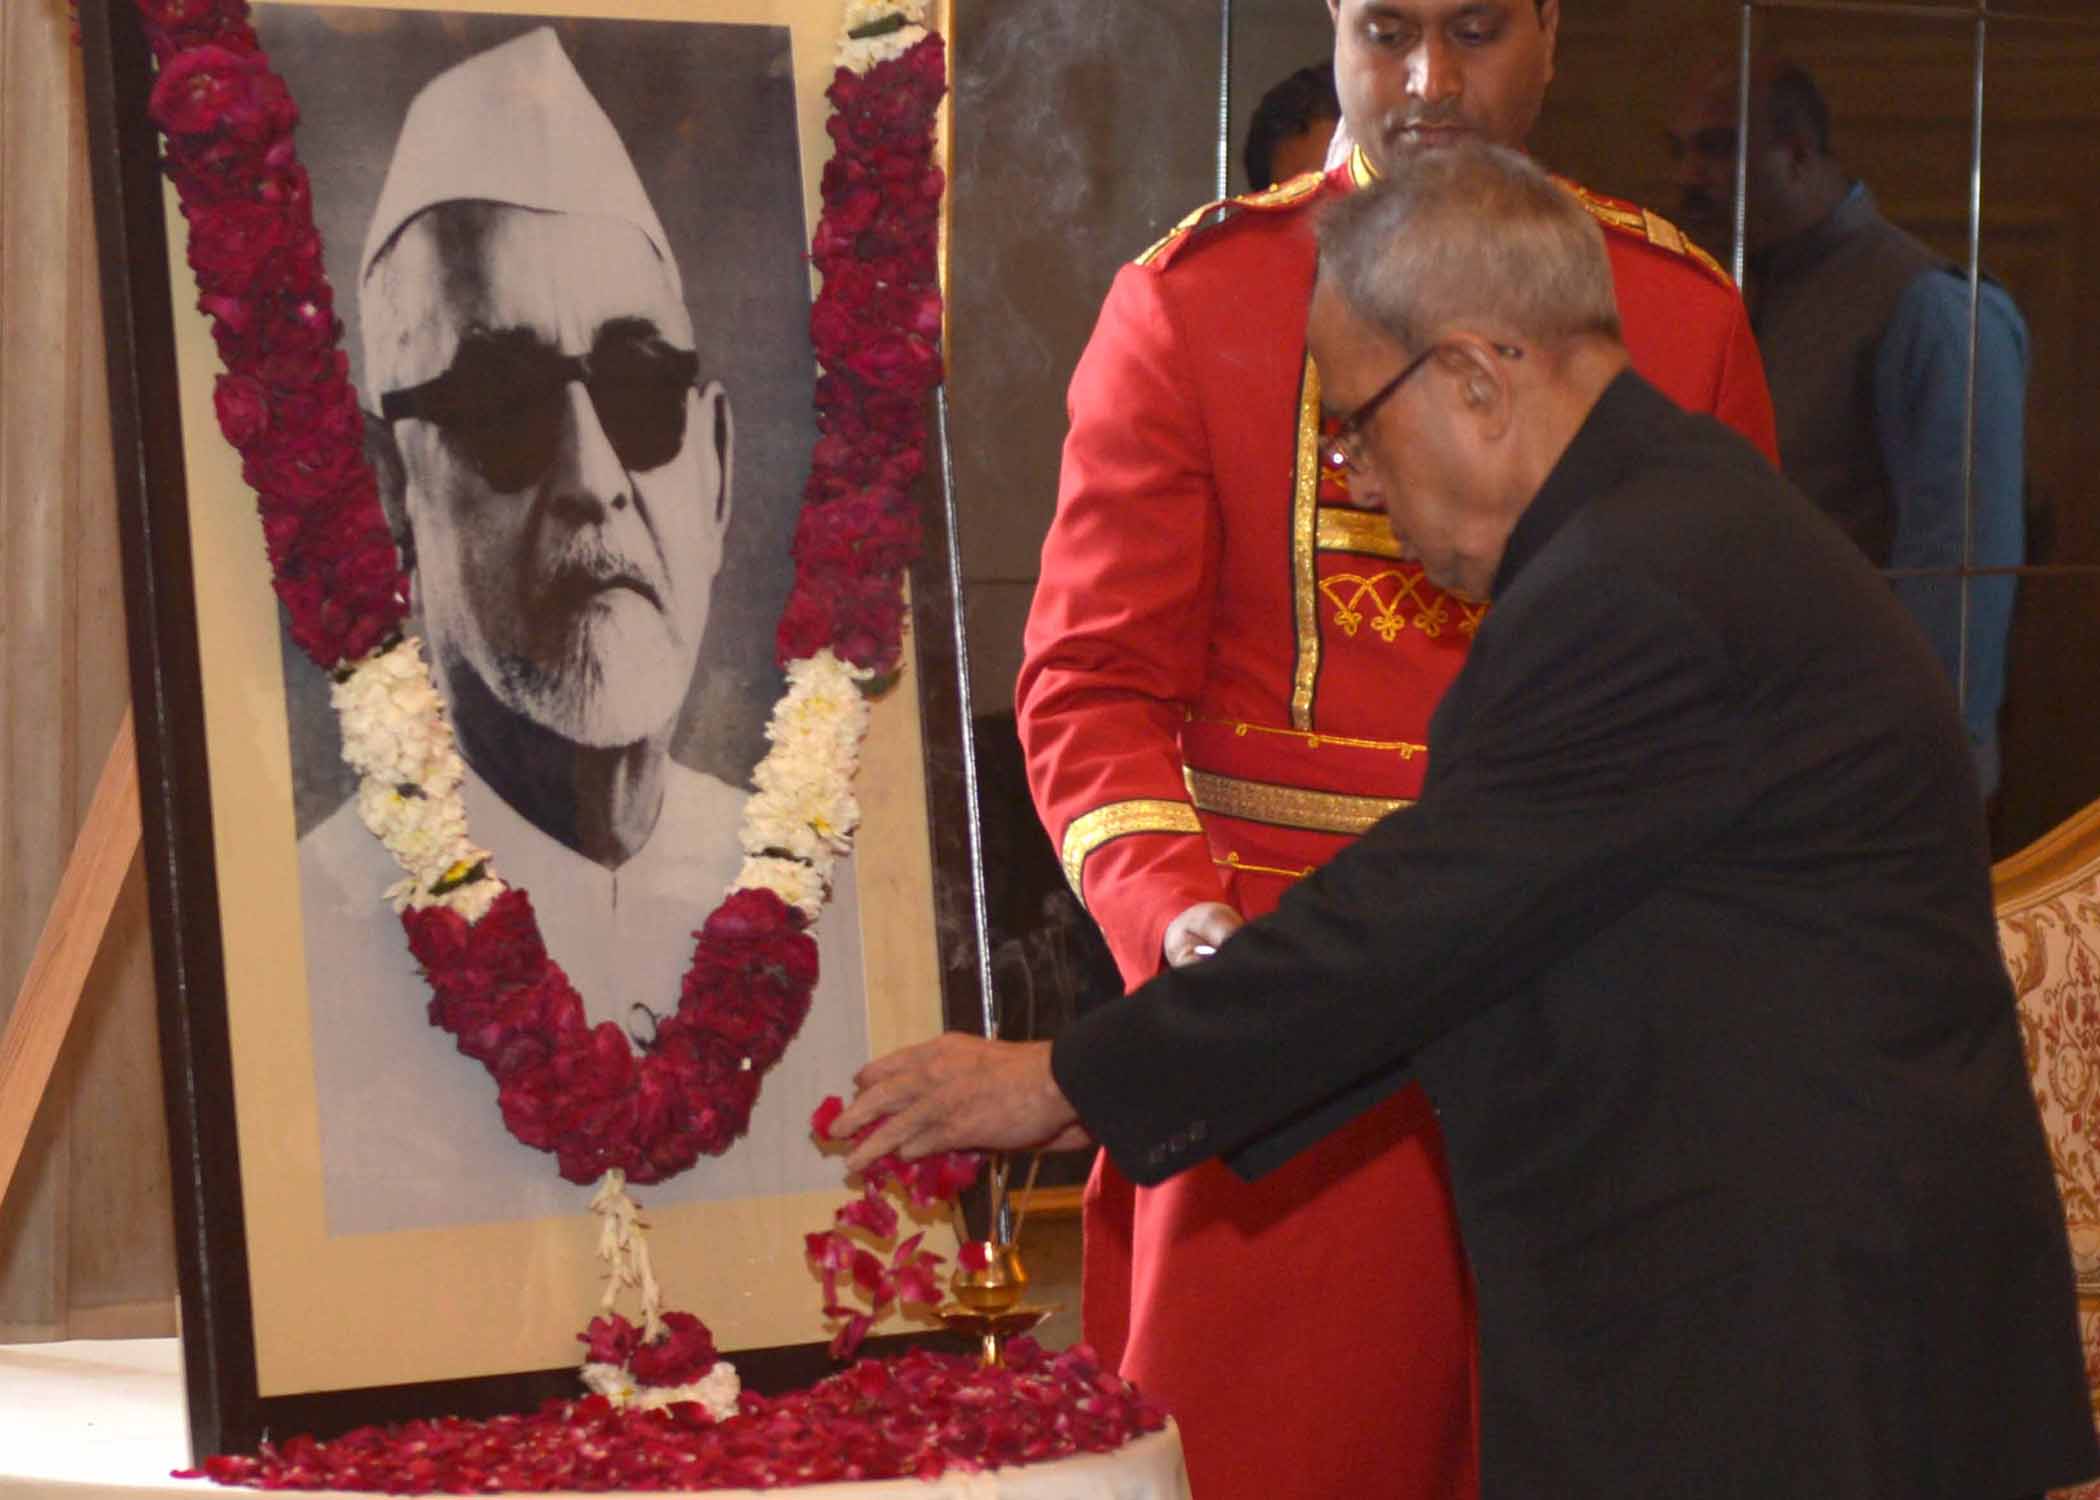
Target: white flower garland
[908,21]
[625,1251]
[717,1390]
[802,816]
[398,738]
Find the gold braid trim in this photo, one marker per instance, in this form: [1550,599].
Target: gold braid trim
[1089,831]
[1646,224]
[1282,195]
[1305,572]
[1365,531]
[1234,862]
[1406,749]
[1194,217]
[1286,806]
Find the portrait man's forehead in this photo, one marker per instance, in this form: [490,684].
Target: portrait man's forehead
[513,125]
[486,148]
[474,268]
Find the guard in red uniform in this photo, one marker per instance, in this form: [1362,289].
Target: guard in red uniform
[1229,673]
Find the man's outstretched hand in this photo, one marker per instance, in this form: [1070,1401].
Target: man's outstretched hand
[958,1092]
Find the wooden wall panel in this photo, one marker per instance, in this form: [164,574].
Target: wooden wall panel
[86,1245]
[1084,130]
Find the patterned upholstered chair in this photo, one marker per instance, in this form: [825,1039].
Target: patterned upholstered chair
[2048,903]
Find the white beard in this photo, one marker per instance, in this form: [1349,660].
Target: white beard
[622,676]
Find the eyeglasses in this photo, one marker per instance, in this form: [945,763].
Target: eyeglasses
[500,402]
[1345,445]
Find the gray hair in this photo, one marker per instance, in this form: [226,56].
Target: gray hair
[1472,236]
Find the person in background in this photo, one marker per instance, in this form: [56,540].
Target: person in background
[1865,335]
[1292,127]
[1739,1230]
[1229,672]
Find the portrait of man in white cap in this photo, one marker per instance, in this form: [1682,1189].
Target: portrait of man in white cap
[565,474]
[557,445]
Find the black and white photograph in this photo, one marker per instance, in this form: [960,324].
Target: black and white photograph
[569,257]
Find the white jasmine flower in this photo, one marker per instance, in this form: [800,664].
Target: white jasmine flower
[857,55]
[610,1381]
[393,721]
[800,885]
[803,804]
[717,1390]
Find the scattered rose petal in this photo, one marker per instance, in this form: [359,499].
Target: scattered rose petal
[921,1415]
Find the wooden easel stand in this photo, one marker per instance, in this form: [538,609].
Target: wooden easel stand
[65,951]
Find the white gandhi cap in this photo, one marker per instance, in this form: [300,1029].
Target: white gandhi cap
[512,125]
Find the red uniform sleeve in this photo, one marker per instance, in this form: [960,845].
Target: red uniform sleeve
[1744,401]
[1120,627]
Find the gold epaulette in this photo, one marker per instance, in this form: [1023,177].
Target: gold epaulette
[1282,195]
[1647,225]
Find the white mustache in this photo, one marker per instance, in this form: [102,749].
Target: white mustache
[592,569]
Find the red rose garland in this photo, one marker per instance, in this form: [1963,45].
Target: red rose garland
[876,328]
[285,403]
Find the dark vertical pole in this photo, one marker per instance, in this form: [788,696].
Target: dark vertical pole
[1224,98]
[973,812]
[1739,255]
[1968,424]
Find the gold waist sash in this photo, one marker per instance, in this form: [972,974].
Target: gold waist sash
[1284,806]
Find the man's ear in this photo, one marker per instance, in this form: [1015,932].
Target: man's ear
[1482,380]
[384,455]
[719,426]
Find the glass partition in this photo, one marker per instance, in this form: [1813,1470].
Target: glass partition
[1971,124]
[1086,129]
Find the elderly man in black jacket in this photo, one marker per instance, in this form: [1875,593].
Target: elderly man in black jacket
[1689,937]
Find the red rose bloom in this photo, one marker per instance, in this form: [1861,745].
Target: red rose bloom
[229,243]
[170,15]
[214,88]
[243,408]
[610,1339]
[683,1352]
[868,625]
[804,629]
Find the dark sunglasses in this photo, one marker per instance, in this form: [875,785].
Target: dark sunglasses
[500,402]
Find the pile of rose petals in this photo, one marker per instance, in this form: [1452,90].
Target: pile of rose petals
[918,1416]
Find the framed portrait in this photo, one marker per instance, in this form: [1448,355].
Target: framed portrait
[361,1235]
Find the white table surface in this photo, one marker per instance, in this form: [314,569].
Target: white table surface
[104,1420]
